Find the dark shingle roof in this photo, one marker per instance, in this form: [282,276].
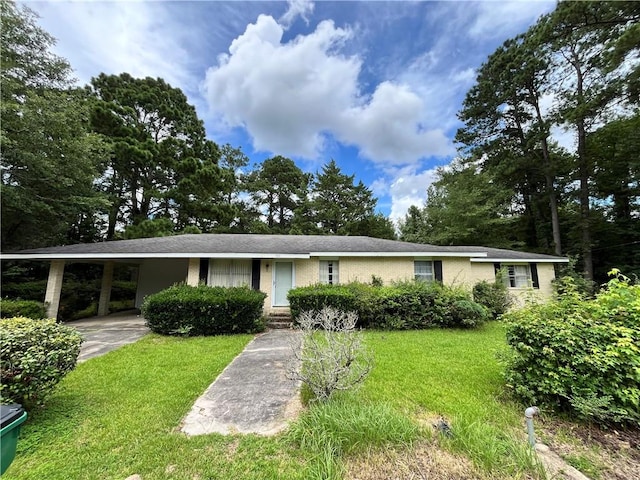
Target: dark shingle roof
[263,246]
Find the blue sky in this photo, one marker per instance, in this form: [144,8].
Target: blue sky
[373,85]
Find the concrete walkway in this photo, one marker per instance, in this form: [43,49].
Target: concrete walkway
[253,394]
[104,334]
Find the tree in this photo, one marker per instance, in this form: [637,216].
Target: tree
[614,151]
[48,158]
[336,206]
[583,56]
[159,150]
[413,227]
[278,188]
[463,207]
[505,126]
[580,38]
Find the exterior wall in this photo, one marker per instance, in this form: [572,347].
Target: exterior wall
[158,274]
[457,271]
[546,274]
[361,269]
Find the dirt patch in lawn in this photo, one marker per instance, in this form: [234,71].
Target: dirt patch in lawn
[598,453]
[424,461]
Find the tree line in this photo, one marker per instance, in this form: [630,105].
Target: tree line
[512,185]
[127,157]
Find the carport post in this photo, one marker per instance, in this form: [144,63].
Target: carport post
[105,289]
[54,288]
[193,274]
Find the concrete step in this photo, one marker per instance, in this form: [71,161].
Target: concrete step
[278,324]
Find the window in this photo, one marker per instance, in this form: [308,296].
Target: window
[423,270]
[329,272]
[230,273]
[518,276]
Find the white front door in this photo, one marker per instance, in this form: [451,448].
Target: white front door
[282,283]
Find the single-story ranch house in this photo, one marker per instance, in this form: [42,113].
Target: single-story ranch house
[277,263]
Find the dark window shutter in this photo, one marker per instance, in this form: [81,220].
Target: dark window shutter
[497,267]
[255,274]
[534,275]
[437,269]
[204,270]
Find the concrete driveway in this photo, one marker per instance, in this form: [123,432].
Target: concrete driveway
[104,334]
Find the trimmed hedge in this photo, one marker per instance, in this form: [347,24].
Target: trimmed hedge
[579,356]
[401,306]
[203,310]
[22,308]
[34,356]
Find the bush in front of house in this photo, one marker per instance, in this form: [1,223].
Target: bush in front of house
[493,295]
[34,356]
[579,356]
[22,308]
[314,298]
[400,306]
[204,310]
[416,305]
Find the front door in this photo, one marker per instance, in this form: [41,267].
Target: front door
[282,283]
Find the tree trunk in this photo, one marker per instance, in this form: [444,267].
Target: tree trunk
[583,172]
[549,179]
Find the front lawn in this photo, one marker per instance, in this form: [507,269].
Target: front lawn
[116,415]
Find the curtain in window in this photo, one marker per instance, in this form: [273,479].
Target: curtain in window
[519,276]
[328,273]
[423,270]
[230,273]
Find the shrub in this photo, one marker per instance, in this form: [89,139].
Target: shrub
[315,297]
[580,356]
[332,357]
[22,308]
[400,306]
[203,310]
[493,295]
[35,355]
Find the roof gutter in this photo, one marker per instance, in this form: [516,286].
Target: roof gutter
[121,256]
[520,260]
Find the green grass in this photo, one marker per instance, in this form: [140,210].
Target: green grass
[117,415]
[454,374]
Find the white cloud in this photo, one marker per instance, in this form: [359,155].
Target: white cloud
[290,96]
[388,127]
[142,39]
[498,18]
[409,187]
[297,8]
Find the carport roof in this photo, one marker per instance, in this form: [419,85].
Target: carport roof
[267,246]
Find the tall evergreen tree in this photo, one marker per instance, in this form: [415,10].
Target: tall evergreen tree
[162,165]
[278,187]
[336,205]
[579,37]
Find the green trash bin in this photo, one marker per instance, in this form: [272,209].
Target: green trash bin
[11,417]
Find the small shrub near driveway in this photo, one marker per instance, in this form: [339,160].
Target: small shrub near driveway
[34,356]
[203,310]
[22,308]
[579,355]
